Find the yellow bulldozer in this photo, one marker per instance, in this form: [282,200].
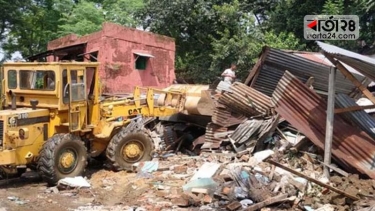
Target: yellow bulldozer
[55,117]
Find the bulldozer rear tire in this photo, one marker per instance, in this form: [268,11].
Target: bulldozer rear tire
[128,147]
[63,155]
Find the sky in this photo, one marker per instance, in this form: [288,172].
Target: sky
[14,55]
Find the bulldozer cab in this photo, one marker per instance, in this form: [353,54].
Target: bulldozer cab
[65,88]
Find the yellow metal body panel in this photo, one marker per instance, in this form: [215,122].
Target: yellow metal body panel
[8,157]
[23,134]
[198,100]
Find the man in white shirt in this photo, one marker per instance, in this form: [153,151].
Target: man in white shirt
[230,74]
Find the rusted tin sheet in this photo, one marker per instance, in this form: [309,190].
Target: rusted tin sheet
[361,63]
[223,117]
[275,62]
[360,118]
[306,110]
[246,100]
[210,141]
[251,130]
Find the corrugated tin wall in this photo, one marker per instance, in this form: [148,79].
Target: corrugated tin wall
[277,62]
[359,118]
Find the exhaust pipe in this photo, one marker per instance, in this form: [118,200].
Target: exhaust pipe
[14,101]
[33,104]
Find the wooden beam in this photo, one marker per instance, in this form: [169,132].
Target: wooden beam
[312,180]
[257,66]
[329,120]
[269,201]
[355,90]
[353,108]
[350,76]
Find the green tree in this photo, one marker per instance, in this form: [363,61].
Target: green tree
[84,18]
[36,24]
[30,24]
[194,24]
[287,16]
[10,14]
[212,34]
[122,11]
[333,7]
[246,47]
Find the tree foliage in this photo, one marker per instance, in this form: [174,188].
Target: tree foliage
[83,18]
[36,24]
[209,34]
[122,11]
[32,23]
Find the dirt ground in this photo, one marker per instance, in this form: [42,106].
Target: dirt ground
[160,190]
[109,191]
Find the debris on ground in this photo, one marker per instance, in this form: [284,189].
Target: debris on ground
[259,150]
[73,182]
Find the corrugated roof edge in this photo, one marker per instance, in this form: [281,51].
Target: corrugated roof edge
[331,49]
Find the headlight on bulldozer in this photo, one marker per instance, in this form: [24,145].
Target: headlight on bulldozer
[23,133]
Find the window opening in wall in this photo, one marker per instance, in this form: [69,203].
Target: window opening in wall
[141,63]
[141,60]
[94,56]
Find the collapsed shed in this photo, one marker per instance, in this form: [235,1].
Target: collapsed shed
[309,67]
[289,78]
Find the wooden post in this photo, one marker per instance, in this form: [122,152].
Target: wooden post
[255,71]
[329,122]
[312,179]
[350,76]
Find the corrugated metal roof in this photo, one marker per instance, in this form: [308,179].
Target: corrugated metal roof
[306,110]
[246,100]
[224,117]
[210,140]
[276,62]
[251,130]
[361,63]
[360,118]
[321,59]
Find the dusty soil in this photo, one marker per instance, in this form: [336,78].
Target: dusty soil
[109,191]
[161,190]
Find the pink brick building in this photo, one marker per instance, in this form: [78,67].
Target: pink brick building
[128,57]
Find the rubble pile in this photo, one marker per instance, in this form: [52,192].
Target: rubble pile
[257,153]
[269,152]
[227,181]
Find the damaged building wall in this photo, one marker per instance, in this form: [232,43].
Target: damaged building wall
[128,57]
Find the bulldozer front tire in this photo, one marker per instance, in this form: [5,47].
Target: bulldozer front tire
[63,155]
[128,147]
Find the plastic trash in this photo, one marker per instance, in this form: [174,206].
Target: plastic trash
[207,170]
[207,183]
[74,182]
[150,166]
[246,202]
[308,208]
[240,193]
[262,179]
